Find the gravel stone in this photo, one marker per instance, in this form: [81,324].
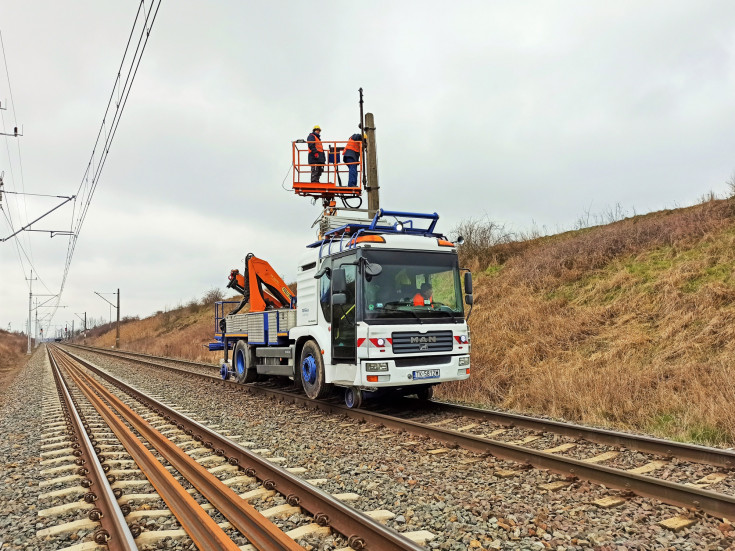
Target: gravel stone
[459,503]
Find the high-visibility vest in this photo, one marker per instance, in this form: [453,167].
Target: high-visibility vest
[353,145]
[419,300]
[318,143]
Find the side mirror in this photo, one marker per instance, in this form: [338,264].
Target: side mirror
[469,299]
[339,299]
[468,284]
[323,270]
[339,281]
[373,269]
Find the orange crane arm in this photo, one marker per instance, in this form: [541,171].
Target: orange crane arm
[260,274]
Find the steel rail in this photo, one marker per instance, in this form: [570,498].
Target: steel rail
[202,529]
[361,531]
[260,532]
[142,355]
[648,444]
[114,531]
[714,503]
[689,452]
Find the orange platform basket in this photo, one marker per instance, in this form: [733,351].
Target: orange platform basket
[335,177]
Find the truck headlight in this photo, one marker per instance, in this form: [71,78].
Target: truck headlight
[376,366]
[464,360]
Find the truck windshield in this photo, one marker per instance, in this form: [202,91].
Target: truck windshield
[419,285]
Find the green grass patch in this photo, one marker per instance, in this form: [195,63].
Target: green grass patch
[671,425]
[567,294]
[708,435]
[493,270]
[717,273]
[667,424]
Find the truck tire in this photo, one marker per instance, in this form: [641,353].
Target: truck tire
[312,374]
[353,397]
[243,363]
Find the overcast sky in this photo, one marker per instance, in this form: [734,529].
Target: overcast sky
[530,113]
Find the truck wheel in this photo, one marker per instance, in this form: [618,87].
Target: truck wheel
[353,397]
[312,372]
[425,393]
[243,363]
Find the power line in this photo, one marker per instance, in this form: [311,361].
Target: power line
[84,192]
[116,118]
[118,97]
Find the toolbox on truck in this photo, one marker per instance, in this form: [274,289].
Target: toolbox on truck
[265,328]
[279,322]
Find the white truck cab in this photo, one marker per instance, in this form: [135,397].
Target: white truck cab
[379,307]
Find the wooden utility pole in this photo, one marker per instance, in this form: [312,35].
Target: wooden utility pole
[372,187]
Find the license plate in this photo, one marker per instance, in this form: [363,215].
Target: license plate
[426,374]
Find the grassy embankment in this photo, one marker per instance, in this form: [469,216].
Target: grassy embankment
[628,325]
[182,332]
[13,347]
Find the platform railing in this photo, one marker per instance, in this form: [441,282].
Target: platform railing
[335,178]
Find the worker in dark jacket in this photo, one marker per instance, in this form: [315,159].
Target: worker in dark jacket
[351,157]
[317,159]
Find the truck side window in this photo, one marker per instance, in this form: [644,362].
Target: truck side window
[324,297]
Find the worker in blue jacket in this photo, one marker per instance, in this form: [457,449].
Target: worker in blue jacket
[351,157]
[316,159]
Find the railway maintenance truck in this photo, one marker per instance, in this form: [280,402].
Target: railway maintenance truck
[379,306]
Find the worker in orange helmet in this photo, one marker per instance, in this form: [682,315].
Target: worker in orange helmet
[316,159]
[424,296]
[351,157]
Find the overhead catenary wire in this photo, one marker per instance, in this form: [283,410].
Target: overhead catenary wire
[108,128]
[89,192]
[96,171]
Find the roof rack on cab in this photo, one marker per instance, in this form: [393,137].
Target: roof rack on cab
[356,233]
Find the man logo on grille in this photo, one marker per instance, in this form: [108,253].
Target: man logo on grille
[416,340]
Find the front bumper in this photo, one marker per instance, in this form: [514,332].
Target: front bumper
[395,376]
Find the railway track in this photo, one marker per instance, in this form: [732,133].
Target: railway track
[696,477]
[208,509]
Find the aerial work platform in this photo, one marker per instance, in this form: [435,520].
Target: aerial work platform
[335,177]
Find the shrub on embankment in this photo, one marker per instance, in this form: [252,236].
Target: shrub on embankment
[630,324]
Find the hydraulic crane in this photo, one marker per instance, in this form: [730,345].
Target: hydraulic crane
[259,274]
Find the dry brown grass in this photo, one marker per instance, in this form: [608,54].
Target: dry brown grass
[183,332]
[13,347]
[180,333]
[630,324]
